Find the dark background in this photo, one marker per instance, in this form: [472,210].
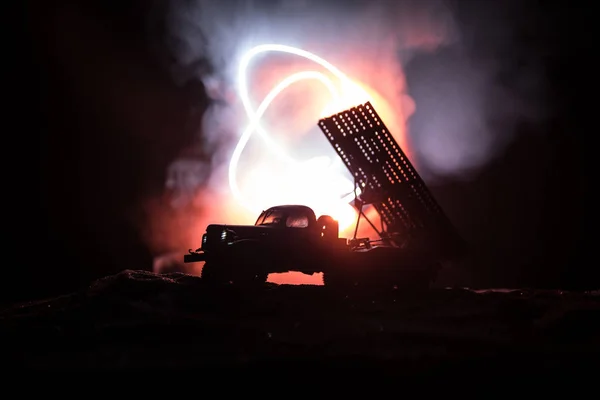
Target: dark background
[95,119]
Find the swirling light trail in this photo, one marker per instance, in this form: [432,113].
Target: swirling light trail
[350,95]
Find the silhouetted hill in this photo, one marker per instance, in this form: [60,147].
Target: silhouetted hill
[137,319]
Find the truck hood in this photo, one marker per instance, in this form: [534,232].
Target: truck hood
[236,232]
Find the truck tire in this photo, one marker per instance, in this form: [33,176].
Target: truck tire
[412,285]
[416,281]
[338,281]
[214,272]
[249,278]
[235,273]
[377,281]
[246,266]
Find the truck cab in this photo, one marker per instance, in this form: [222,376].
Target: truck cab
[283,229]
[300,221]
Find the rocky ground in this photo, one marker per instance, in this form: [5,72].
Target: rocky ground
[139,319]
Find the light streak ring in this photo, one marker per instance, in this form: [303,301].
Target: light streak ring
[255,115]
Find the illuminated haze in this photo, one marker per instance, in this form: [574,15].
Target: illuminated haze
[371,42]
[366,40]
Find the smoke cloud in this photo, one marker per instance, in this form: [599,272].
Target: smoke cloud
[367,40]
[480,89]
[467,118]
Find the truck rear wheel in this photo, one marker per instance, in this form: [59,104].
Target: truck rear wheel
[338,281]
[416,282]
[249,278]
[377,281]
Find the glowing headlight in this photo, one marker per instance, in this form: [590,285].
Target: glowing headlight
[203,239]
[224,235]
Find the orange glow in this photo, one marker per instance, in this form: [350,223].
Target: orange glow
[296,278]
[282,157]
[284,98]
[392,117]
[283,101]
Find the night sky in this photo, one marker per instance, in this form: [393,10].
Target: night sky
[98,116]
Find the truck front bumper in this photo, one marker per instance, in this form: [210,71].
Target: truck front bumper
[194,256]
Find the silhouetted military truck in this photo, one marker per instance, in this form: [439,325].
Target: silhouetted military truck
[414,239]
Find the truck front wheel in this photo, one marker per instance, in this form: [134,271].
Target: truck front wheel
[215,272]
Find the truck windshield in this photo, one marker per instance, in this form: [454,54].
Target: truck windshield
[296,221]
[260,218]
[270,217]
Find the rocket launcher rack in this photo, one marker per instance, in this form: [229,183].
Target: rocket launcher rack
[386,179]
